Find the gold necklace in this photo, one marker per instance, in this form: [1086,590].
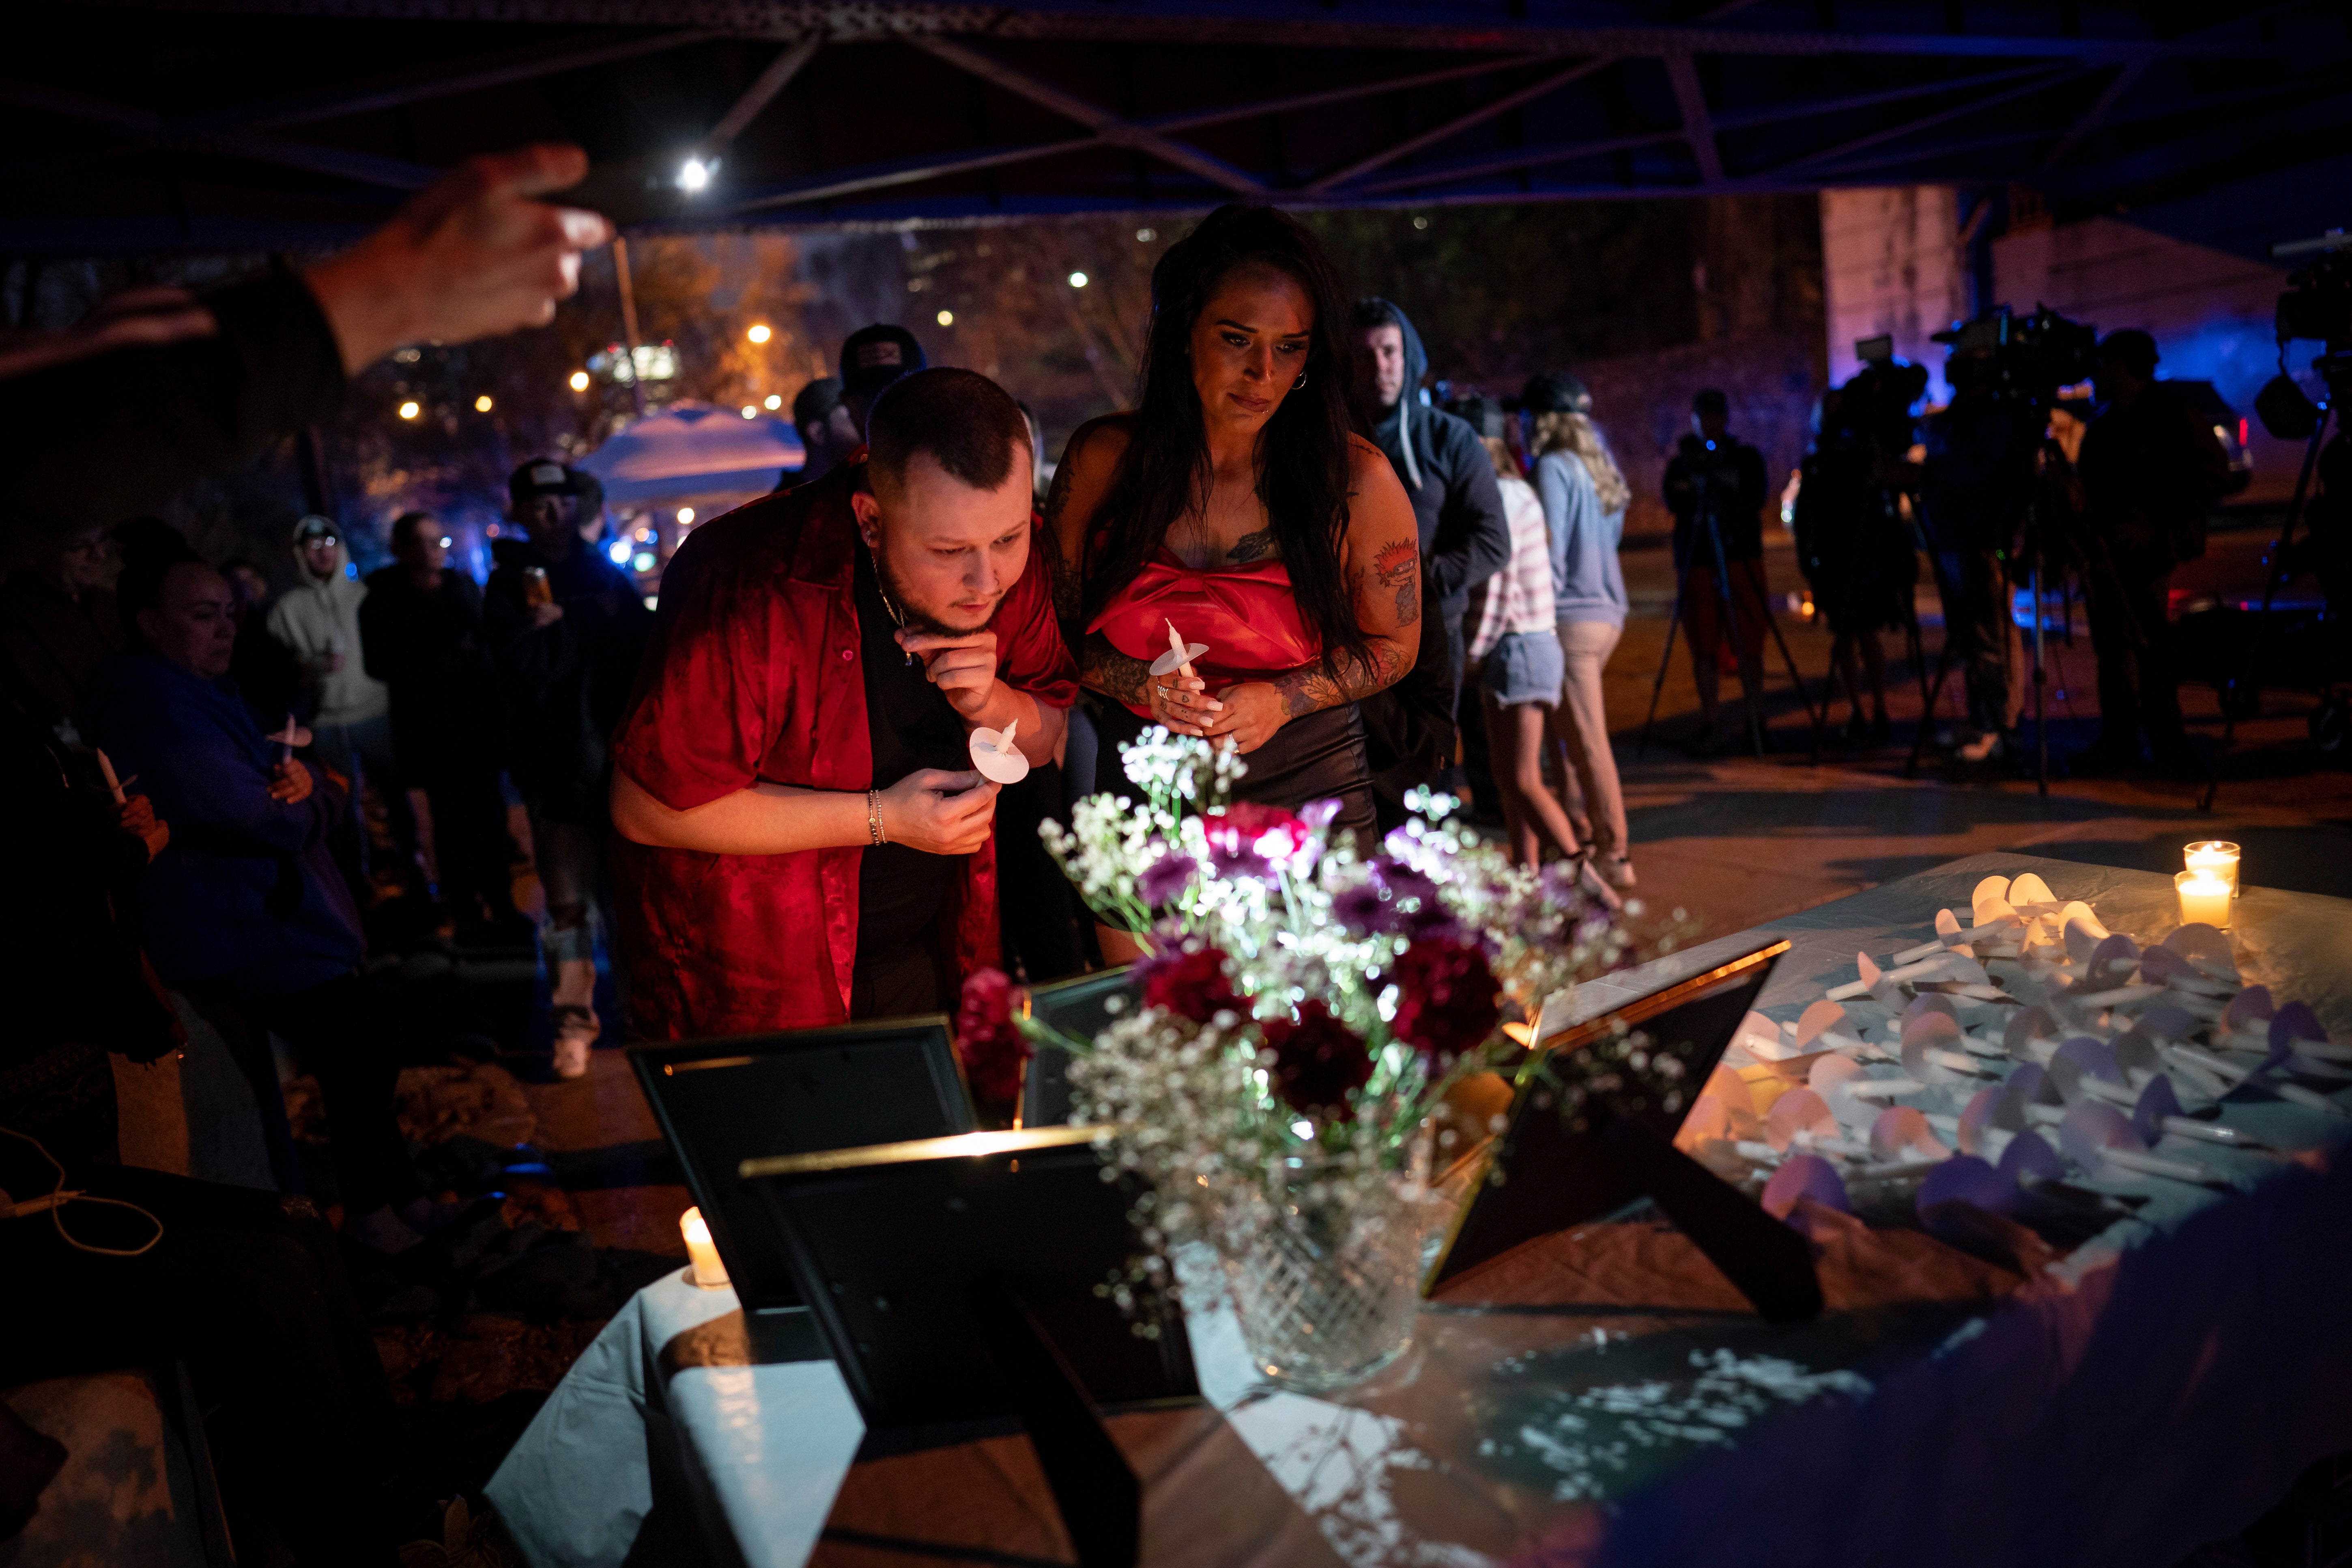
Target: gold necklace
[884,594]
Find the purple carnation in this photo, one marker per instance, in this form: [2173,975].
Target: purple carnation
[1396,901]
[1167,876]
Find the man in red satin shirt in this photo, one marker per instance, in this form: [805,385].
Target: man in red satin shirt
[804,838]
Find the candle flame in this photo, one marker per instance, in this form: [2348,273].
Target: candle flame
[696,1229]
[1175,642]
[1004,736]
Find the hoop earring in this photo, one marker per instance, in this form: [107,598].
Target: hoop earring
[1300,385]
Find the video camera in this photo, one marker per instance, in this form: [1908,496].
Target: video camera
[2033,356]
[1871,413]
[2317,304]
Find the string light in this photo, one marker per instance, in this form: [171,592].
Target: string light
[482,404]
[578,381]
[774,401]
[759,332]
[947,318]
[409,410]
[685,516]
[1077,279]
[750,412]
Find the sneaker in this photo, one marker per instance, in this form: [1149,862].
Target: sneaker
[1983,748]
[576,1031]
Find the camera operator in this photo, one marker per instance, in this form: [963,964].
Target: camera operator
[1853,543]
[1976,485]
[2150,472]
[1716,487]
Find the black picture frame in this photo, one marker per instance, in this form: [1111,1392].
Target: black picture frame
[1558,1175]
[724,1099]
[1079,1008]
[905,1251]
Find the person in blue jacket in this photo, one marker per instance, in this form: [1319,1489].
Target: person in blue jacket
[243,911]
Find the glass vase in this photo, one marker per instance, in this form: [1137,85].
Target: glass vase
[1327,1292]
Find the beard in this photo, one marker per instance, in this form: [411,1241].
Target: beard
[918,618]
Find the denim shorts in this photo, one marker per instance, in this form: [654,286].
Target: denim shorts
[1526,666]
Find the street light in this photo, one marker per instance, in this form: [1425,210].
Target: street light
[410,411]
[759,332]
[1077,279]
[482,404]
[947,318]
[578,381]
[694,175]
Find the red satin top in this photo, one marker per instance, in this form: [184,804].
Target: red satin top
[1248,614]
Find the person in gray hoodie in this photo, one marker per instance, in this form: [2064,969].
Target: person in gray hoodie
[318,620]
[1465,540]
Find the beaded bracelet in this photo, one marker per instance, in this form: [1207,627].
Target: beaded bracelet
[873,816]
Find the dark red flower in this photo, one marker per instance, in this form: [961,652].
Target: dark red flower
[1448,1001]
[1191,983]
[988,1042]
[1318,1061]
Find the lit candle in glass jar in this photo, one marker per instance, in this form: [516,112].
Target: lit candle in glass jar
[2204,897]
[707,1271]
[2215,856]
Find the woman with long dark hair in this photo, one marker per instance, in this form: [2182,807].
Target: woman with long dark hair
[1241,504]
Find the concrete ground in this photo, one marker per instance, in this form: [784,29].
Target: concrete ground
[1734,840]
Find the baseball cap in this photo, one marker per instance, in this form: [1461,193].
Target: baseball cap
[541,477]
[815,404]
[873,357]
[316,527]
[1552,391]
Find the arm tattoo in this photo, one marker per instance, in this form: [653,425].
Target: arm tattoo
[1254,546]
[1311,687]
[1068,587]
[1397,568]
[1102,667]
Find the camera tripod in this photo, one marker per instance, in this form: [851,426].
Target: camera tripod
[1730,608]
[1931,691]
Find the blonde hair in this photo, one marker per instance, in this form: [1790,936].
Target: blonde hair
[1500,454]
[1562,431]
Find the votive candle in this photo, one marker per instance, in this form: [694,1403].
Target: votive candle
[2215,855]
[707,1271]
[2204,898]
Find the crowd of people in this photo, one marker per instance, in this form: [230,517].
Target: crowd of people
[759,795]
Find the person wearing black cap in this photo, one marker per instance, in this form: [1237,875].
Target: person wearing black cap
[2151,470]
[827,431]
[1716,487]
[873,357]
[1465,541]
[566,629]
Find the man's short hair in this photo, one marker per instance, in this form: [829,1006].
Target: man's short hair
[1371,310]
[1711,400]
[969,424]
[402,524]
[140,586]
[2132,349]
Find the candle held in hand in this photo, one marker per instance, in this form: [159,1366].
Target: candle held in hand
[1179,655]
[2204,898]
[996,757]
[707,1271]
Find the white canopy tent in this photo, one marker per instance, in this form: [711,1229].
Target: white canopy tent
[693,454]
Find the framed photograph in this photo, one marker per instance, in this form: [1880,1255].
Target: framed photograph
[1079,1008]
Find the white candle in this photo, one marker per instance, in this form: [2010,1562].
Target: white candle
[707,1271]
[2204,897]
[2215,856]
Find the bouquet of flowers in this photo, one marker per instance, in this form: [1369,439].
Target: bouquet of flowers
[1305,1009]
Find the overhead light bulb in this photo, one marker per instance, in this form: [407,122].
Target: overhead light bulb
[947,318]
[694,175]
[617,552]
[685,515]
[750,412]
[774,400]
[578,381]
[759,332]
[482,404]
[409,411]
[1077,279]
